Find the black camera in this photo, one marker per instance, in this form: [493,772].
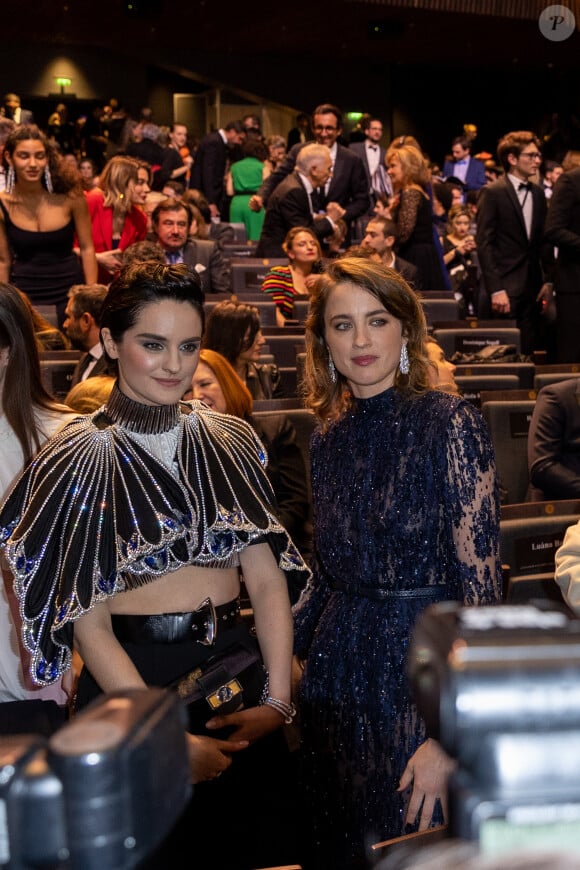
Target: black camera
[102,792]
[499,687]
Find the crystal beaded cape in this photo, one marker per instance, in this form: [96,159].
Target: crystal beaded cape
[96,513]
[406,507]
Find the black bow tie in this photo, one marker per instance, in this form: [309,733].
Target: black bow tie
[373,147]
[525,185]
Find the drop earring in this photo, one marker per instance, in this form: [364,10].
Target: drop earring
[331,369]
[10,179]
[404,360]
[48,179]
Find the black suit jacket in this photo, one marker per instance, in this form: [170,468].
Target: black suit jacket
[348,186]
[408,271]
[554,440]
[101,367]
[508,259]
[359,148]
[288,207]
[209,169]
[563,230]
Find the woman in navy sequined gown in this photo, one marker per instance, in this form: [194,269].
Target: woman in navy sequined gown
[406,515]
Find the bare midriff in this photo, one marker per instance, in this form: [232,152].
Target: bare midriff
[180,591]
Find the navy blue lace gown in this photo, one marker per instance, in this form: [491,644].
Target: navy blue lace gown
[406,515]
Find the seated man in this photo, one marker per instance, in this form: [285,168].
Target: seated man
[82,315]
[173,223]
[554,442]
[380,236]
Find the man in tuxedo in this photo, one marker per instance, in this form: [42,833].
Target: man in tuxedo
[511,214]
[297,202]
[372,155]
[467,169]
[347,184]
[172,222]
[380,236]
[81,324]
[563,230]
[209,168]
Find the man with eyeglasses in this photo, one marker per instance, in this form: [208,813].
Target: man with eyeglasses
[514,261]
[347,184]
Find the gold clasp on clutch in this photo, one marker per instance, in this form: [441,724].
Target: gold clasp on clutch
[224,694]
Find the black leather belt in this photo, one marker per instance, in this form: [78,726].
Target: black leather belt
[201,625]
[378,594]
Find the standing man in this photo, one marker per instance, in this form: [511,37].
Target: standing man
[173,221]
[563,230]
[81,324]
[380,237]
[372,154]
[347,183]
[469,170]
[209,168]
[296,202]
[511,214]
[12,109]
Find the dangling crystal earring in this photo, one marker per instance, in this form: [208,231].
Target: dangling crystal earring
[10,179]
[331,369]
[48,180]
[404,360]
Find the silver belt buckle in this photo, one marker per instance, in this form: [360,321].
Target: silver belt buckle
[207,607]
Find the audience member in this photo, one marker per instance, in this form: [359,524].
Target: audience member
[550,175]
[90,395]
[142,252]
[554,442]
[563,230]
[469,170]
[243,181]
[216,383]
[442,371]
[510,231]
[6,128]
[234,330]
[392,456]
[276,152]
[116,219]
[381,237]
[173,190]
[411,211]
[41,211]
[372,155]
[178,143]
[209,169]
[173,223]
[285,283]
[88,174]
[82,316]
[12,110]
[28,416]
[297,201]
[460,257]
[301,133]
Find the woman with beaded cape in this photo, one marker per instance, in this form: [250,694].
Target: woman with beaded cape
[155,507]
[406,473]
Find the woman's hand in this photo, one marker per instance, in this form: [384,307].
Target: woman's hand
[110,260]
[310,281]
[208,757]
[428,770]
[250,724]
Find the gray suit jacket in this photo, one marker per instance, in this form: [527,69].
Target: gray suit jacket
[209,262]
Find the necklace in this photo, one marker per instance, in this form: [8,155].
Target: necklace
[136,417]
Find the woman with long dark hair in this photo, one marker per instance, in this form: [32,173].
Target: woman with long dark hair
[28,416]
[42,209]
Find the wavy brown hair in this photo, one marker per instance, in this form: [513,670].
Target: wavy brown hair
[64,179]
[330,399]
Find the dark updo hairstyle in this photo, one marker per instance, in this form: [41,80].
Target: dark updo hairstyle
[64,178]
[329,399]
[141,284]
[227,327]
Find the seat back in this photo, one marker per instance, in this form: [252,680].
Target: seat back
[524,371]
[252,271]
[304,422]
[508,424]
[471,386]
[285,348]
[472,340]
[440,310]
[543,379]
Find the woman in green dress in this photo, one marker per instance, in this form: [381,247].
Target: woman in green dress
[244,180]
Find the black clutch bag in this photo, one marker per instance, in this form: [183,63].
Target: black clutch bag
[224,683]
